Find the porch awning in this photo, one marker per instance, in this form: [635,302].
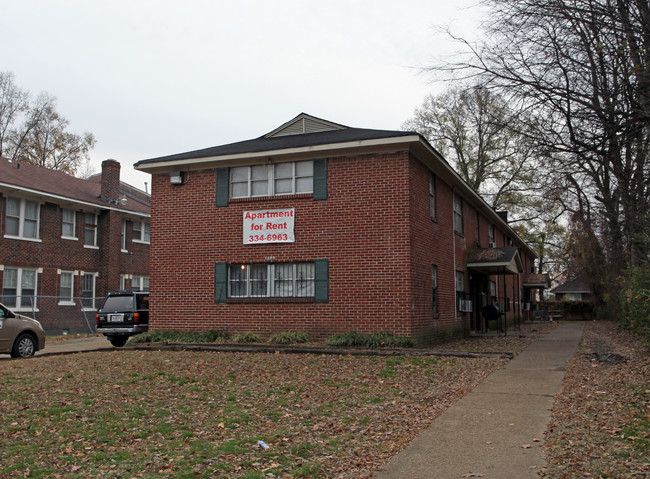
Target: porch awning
[537,281]
[490,261]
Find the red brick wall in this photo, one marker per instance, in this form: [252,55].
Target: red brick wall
[432,243]
[54,253]
[362,228]
[375,229]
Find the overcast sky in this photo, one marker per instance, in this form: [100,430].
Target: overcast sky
[156,77]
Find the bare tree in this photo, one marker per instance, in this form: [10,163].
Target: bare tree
[488,143]
[47,142]
[581,68]
[34,132]
[13,103]
[475,129]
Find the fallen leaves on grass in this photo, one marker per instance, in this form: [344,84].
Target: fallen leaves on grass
[202,414]
[600,425]
[145,413]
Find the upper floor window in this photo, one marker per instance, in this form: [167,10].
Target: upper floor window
[458,214]
[123,237]
[272,180]
[141,232]
[432,195]
[491,237]
[22,218]
[68,223]
[140,283]
[90,229]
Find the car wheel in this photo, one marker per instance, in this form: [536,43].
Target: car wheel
[24,346]
[118,341]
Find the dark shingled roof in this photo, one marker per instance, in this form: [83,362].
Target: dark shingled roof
[284,142]
[537,279]
[577,285]
[493,255]
[58,183]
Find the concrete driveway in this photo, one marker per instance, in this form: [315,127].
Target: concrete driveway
[75,345]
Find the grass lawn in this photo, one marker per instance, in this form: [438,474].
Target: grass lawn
[129,413]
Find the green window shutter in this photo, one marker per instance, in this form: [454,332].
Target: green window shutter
[223,178]
[220,282]
[321,280]
[320,179]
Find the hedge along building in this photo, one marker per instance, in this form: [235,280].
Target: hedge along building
[321,228]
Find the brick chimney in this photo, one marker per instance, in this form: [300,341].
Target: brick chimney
[111,180]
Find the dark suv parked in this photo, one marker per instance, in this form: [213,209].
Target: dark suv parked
[123,314]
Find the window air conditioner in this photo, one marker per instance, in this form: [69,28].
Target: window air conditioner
[465,306]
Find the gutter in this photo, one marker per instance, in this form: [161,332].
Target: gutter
[72,200]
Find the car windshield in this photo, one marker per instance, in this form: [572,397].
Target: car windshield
[118,303]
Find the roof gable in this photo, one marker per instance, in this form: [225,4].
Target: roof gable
[278,142]
[304,123]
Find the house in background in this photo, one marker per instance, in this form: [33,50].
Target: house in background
[575,290]
[65,242]
[322,228]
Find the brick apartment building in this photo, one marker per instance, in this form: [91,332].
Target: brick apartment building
[321,228]
[65,242]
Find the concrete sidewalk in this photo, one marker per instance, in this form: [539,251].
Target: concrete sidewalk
[496,431]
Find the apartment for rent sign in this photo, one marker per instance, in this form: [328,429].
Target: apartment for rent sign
[269,226]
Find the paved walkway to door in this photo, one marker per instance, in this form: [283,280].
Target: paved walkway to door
[497,430]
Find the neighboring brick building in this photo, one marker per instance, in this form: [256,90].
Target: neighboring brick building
[66,242]
[321,228]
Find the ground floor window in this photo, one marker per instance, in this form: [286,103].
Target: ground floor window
[66,287]
[271,280]
[19,288]
[434,287]
[88,290]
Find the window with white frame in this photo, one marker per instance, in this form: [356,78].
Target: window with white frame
[22,218]
[123,236]
[88,290]
[274,280]
[66,287]
[19,288]
[272,180]
[140,283]
[458,214]
[432,195]
[68,223]
[460,290]
[141,232]
[491,237]
[460,282]
[493,290]
[90,229]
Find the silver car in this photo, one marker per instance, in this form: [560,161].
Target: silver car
[20,336]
